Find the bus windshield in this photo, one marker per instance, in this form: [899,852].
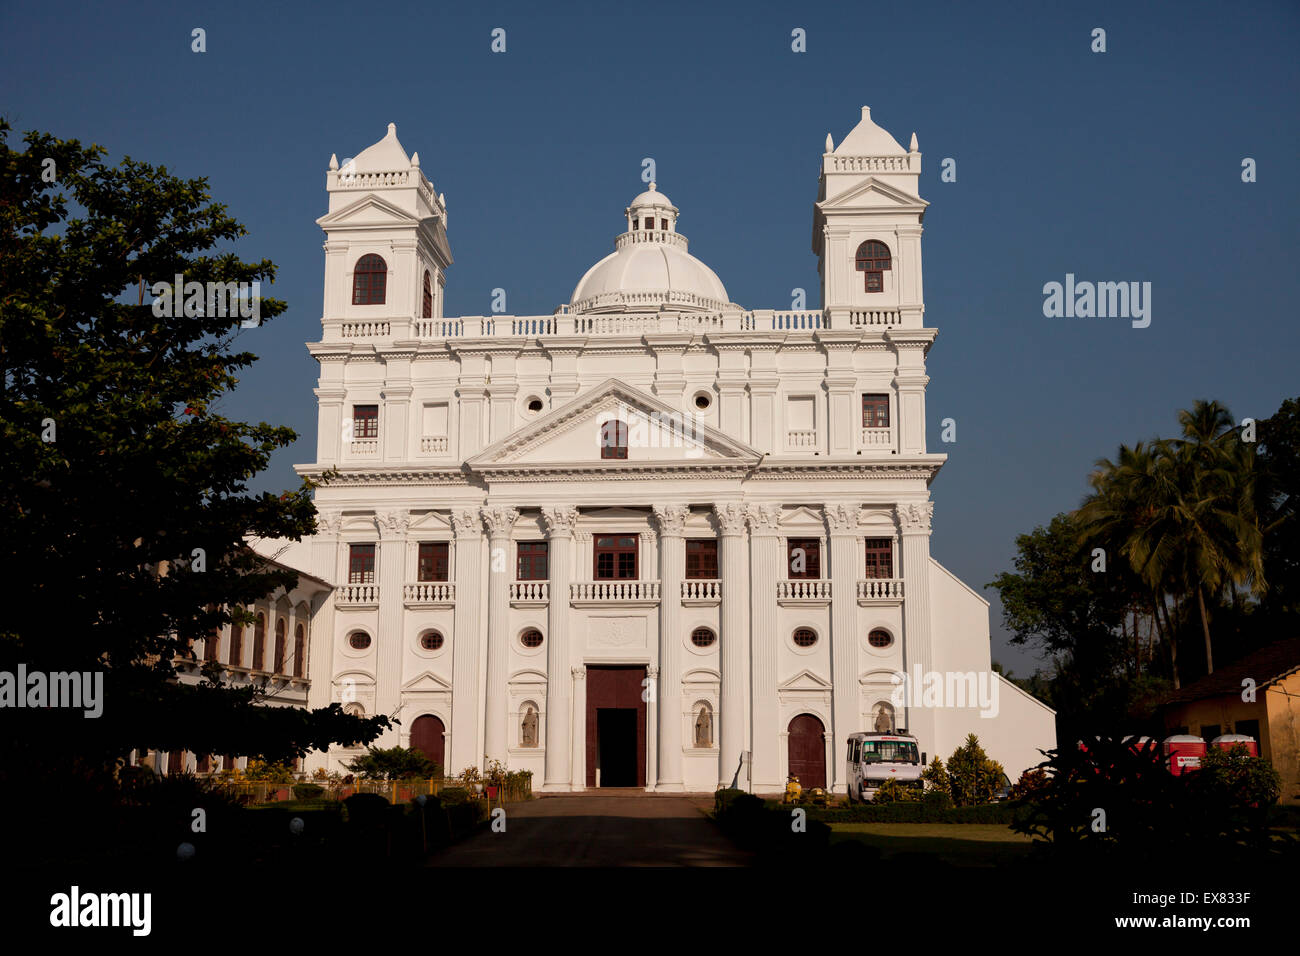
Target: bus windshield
[888,751]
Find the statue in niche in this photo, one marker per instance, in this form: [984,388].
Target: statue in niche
[884,719]
[528,733]
[704,728]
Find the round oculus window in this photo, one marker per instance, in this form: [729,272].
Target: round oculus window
[703,637]
[531,638]
[703,401]
[535,405]
[358,640]
[805,637]
[880,638]
[431,641]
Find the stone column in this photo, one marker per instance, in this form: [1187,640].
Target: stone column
[465,640]
[842,521]
[579,762]
[392,566]
[559,530]
[320,630]
[734,636]
[918,641]
[500,522]
[672,569]
[765,570]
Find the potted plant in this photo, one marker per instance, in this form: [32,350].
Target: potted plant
[494,778]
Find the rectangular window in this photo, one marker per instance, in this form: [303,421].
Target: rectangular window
[663,224]
[1210,731]
[649,222]
[615,557]
[804,557]
[613,439]
[533,564]
[361,564]
[432,561]
[1248,727]
[875,411]
[880,558]
[365,421]
[875,281]
[702,558]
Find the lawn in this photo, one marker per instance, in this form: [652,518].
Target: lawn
[958,844]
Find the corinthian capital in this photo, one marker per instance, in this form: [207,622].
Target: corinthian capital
[560,521]
[841,518]
[763,519]
[731,517]
[499,520]
[466,523]
[915,516]
[672,519]
[393,524]
[328,522]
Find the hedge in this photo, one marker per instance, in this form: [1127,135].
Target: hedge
[914,812]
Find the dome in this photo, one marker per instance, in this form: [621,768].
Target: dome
[868,139]
[385,156]
[650,268]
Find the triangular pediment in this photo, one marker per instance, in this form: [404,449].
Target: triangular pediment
[873,193]
[804,517]
[369,210]
[805,680]
[658,435]
[427,682]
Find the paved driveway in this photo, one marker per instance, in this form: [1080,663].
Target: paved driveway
[600,829]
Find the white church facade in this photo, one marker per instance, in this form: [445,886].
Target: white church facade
[655,539]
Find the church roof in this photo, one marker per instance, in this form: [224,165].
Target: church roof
[868,139]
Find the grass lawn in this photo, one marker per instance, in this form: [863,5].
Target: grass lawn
[959,844]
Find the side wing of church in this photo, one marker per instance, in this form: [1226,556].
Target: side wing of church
[655,539]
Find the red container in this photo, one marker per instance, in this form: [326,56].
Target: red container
[1228,741]
[492,792]
[1183,753]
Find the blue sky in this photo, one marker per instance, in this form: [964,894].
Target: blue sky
[1123,165]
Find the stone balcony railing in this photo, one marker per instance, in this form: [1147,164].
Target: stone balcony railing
[801,438]
[880,589]
[702,589]
[657,314]
[614,591]
[433,444]
[356,595]
[877,437]
[530,591]
[803,589]
[428,593]
[365,447]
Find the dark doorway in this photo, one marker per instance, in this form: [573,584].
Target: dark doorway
[616,746]
[428,737]
[614,697]
[808,751]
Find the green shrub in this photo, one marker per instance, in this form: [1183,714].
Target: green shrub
[393,763]
[891,791]
[366,809]
[937,777]
[936,800]
[307,791]
[974,777]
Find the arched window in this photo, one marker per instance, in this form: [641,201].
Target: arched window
[259,643]
[299,649]
[281,640]
[236,645]
[804,637]
[613,439]
[703,637]
[873,259]
[531,638]
[880,638]
[427,311]
[369,280]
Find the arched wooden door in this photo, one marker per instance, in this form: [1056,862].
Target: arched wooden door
[808,751]
[427,736]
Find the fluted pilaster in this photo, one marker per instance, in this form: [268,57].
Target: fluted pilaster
[765,569]
[559,522]
[465,646]
[668,687]
[500,522]
[842,522]
[734,560]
